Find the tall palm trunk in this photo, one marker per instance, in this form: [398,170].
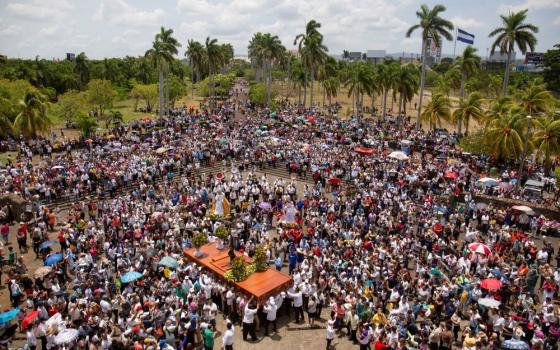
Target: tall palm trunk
[385,93]
[506,73]
[212,97]
[372,104]
[324,95]
[166,88]
[461,97]
[399,116]
[192,82]
[305,91]
[311,94]
[422,78]
[299,95]
[160,91]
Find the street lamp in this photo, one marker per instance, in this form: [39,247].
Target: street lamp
[525,147]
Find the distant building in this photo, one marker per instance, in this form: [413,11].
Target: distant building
[354,56]
[70,56]
[499,57]
[536,58]
[376,56]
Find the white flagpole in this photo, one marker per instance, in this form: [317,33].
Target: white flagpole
[455,45]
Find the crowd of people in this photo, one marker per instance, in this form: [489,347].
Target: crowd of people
[390,252]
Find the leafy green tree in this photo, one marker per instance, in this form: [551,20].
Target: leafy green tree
[433,27]
[32,118]
[177,89]
[257,93]
[197,56]
[406,84]
[513,32]
[468,64]
[100,95]
[146,92]
[113,117]
[81,68]
[171,44]
[551,72]
[70,105]
[86,124]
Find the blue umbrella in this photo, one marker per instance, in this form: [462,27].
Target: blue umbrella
[8,316]
[46,244]
[515,344]
[53,259]
[169,262]
[498,273]
[130,277]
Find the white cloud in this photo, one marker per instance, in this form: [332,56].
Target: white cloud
[529,4]
[556,21]
[38,9]
[9,30]
[467,22]
[122,13]
[49,31]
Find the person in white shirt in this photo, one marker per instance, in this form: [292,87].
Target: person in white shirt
[270,308]
[297,297]
[32,337]
[227,339]
[330,333]
[249,320]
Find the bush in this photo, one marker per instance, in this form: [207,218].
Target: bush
[474,143]
[222,83]
[257,93]
[239,272]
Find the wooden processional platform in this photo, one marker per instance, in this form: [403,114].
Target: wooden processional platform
[261,285]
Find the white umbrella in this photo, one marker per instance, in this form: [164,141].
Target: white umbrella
[488,181]
[523,208]
[55,321]
[66,336]
[399,155]
[489,302]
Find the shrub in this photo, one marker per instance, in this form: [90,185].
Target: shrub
[221,233]
[259,259]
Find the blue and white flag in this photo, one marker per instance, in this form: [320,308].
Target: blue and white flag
[465,37]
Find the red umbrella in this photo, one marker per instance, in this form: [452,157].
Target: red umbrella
[28,319]
[491,284]
[438,228]
[479,248]
[450,175]
[364,151]
[335,181]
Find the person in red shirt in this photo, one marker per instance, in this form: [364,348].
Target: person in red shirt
[380,343]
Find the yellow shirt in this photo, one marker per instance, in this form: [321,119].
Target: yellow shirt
[379,318]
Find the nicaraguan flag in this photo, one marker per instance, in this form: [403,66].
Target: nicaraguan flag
[465,37]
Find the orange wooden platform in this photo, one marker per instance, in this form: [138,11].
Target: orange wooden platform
[259,284]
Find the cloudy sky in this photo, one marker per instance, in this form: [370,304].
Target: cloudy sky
[108,28]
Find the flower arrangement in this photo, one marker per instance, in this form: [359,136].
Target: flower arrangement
[221,233]
[259,259]
[199,240]
[239,272]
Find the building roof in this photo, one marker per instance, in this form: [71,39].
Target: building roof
[376,53]
[355,54]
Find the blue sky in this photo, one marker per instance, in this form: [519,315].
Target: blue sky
[109,28]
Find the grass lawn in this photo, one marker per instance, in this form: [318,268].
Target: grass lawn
[4,157]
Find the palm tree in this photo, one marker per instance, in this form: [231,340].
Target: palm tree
[196,54]
[433,28]
[514,31]
[437,110]
[468,63]
[534,99]
[546,138]
[406,84]
[214,59]
[312,51]
[160,55]
[227,55]
[255,54]
[331,86]
[469,108]
[32,117]
[171,45]
[387,75]
[359,81]
[497,107]
[504,135]
[270,51]
[81,68]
